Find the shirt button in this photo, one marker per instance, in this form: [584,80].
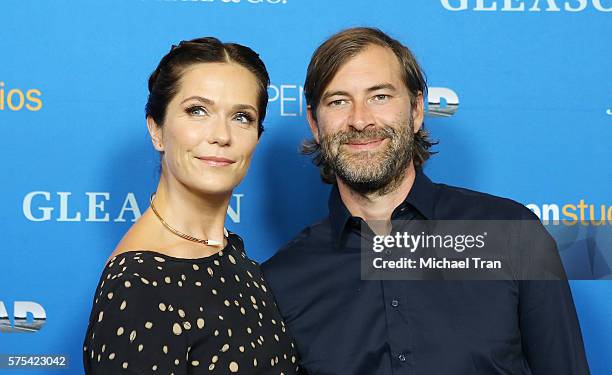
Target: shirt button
[395,303]
[402,358]
[387,252]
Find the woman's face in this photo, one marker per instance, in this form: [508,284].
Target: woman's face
[210,130]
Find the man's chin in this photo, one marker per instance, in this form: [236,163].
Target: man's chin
[365,184]
[362,158]
[364,177]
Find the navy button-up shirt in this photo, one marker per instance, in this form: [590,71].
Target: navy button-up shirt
[344,325]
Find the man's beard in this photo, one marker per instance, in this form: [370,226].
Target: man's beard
[366,172]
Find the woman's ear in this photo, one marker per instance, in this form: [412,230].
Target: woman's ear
[155,131]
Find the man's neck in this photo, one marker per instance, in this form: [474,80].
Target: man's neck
[377,207]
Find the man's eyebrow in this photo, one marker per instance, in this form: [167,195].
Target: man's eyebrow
[382,86]
[200,99]
[334,93]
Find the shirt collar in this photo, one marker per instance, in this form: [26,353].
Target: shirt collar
[421,197]
[339,215]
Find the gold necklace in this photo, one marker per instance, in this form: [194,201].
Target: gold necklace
[181,234]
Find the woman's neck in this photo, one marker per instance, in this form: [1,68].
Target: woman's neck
[191,212]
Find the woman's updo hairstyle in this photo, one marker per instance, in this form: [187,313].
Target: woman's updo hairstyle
[164,81]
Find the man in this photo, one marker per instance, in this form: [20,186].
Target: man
[365,92]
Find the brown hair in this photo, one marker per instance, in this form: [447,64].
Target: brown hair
[332,55]
[164,81]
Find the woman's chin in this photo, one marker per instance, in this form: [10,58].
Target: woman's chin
[218,188]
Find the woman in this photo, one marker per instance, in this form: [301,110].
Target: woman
[179,295]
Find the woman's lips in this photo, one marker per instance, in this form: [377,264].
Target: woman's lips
[215,161]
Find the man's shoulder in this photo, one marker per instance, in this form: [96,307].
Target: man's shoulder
[457,203]
[309,240]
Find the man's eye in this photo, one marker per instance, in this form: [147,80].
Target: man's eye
[338,102]
[196,110]
[380,97]
[244,118]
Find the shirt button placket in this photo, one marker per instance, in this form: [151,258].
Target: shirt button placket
[397,309]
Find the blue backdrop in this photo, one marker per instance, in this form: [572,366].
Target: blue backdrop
[525,112]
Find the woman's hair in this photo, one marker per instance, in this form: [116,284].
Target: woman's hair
[164,81]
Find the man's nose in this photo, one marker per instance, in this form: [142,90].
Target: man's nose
[361,117]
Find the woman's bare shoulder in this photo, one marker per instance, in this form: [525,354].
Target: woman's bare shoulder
[142,235]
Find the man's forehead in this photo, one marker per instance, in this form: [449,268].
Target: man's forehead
[373,66]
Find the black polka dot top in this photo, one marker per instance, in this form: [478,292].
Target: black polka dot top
[155,314]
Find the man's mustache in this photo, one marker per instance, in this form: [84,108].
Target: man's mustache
[355,135]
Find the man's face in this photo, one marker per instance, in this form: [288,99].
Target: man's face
[365,123]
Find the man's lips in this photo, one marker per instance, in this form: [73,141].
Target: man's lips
[364,144]
[364,141]
[215,161]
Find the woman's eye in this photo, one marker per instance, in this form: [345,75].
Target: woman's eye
[244,118]
[197,111]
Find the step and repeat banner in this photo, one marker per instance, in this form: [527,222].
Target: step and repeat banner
[520,101]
